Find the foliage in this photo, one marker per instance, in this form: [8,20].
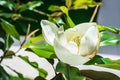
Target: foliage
[15,15]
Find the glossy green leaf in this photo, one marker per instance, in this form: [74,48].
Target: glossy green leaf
[64,10]
[99,75]
[107,39]
[83,3]
[42,72]
[2,33]
[108,28]
[20,75]
[7,3]
[45,47]
[30,5]
[111,66]
[17,78]
[36,39]
[98,60]
[53,8]
[6,15]
[42,50]
[51,61]
[68,3]
[58,77]
[9,29]
[39,78]
[69,20]
[26,59]
[114,65]
[1,45]
[71,73]
[8,42]
[43,53]
[3,74]
[60,22]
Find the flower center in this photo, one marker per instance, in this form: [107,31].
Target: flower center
[76,39]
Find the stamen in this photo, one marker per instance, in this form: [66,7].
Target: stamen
[76,39]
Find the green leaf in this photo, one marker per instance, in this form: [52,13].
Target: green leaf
[8,42]
[111,66]
[9,29]
[58,77]
[17,78]
[1,45]
[43,53]
[51,61]
[19,74]
[114,65]
[42,72]
[84,3]
[36,39]
[42,50]
[30,5]
[99,75]
[45,47]
[6,15]
[60,22]
[3,74]
[69,20]
[71,73]
[107,39]
[9,54]
[53,8]
[108,28]
[7,3]
[98,60]
[39,78]
[64,10]
[68,3]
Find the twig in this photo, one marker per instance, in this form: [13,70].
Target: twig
[28,30]
[40,12]
[27,36]
[33,32]
[94,13]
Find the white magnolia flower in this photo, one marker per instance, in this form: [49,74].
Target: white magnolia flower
[73,46]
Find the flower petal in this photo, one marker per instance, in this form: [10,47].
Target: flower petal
[89,41]
[67,56]
[71,33]
[49,30]
[62,38]
[82,28]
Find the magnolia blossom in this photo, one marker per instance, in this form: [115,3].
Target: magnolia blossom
[73,46]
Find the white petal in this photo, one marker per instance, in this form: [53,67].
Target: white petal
[71,33]
[82,28]
[49,30]
[67,56]
[89,41]
[62,38]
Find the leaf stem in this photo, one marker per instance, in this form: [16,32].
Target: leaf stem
[42,13]
[68,68]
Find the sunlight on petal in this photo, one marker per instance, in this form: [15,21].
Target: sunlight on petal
[66,56]
[89,41]
[49,30]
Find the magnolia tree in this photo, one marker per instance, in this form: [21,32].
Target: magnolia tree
[64,44]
